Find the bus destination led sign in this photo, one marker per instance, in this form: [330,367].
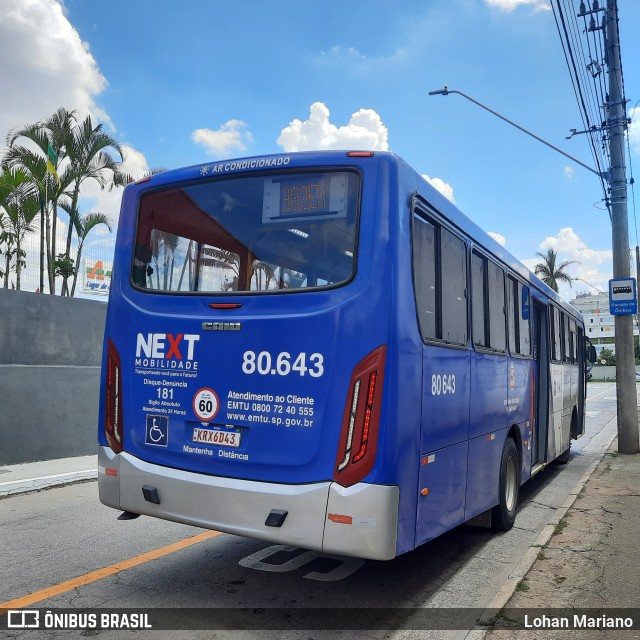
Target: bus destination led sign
[301,197]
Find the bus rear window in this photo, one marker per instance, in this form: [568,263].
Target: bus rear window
[267,233]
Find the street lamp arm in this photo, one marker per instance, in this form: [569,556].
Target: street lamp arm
[446,91]
[593,286]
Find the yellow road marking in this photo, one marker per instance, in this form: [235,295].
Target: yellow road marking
[99,574]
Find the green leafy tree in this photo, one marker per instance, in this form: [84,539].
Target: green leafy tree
[608,356]
[550,272]
[64,267]
[20,203]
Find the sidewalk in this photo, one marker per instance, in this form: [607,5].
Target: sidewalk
[591,561]
[32,476]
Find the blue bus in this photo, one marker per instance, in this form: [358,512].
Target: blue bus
[320,350]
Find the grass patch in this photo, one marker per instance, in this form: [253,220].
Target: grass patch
[561,526]
[522,586]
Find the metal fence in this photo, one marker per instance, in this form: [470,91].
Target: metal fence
[94,273]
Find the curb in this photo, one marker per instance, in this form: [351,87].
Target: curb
[508,588]
[43,482]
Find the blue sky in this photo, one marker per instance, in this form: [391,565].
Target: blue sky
[188,82]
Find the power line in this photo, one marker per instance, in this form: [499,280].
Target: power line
[607,141]
[588,98]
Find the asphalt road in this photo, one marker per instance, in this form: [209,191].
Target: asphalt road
[65,534]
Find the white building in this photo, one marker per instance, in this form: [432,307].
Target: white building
[598,322]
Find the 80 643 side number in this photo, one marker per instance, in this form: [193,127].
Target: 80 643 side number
[443,384]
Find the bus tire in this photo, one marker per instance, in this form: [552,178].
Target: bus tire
[503,514]
[563,458]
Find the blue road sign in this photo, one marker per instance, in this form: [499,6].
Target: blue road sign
[623,298]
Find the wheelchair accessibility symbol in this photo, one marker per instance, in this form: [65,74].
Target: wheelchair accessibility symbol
[157,433]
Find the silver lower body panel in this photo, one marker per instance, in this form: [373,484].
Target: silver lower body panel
[360,521]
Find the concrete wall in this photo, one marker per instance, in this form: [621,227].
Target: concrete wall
[50,352]
[603,373]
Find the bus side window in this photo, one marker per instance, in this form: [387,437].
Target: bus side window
[497,329]
[478,285]
[488,304]
[440,277]
[525,331]
[454,288]
[573,341]
[512,315]
[556,333]
[567,338]
[424,268]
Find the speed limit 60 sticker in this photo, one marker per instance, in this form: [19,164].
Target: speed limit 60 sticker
[205,404]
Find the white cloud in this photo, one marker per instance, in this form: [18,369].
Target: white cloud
[344,53]
[499,238]
[108,201]
[45,65]
[565,241]
[365,131]
[443,187]
[569,172]
[231,136]
[591,265]
[510,5]
[354,59]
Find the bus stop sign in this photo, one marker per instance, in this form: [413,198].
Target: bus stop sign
[623,299]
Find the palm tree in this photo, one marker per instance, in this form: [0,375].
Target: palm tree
[263,274]
[21,204]
[83,154]
[52,132]
[550,273]
[60,127]
[83,226]
[67,267]
[87,151]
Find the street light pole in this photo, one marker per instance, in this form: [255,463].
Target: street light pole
[446,91]
[616,177]
[593,286]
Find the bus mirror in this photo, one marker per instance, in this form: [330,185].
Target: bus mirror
[592,356]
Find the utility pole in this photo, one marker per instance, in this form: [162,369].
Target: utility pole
[628,433]
[616,124]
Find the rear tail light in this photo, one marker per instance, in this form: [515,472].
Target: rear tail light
[361,421]
[113,404]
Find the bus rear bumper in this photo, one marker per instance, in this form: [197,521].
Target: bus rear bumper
[357,521]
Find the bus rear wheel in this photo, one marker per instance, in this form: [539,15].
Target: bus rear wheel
[503,514]
[563,458]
